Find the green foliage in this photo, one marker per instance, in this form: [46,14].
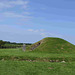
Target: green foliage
[1,43]
[7,44]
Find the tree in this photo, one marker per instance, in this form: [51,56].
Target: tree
[1,43]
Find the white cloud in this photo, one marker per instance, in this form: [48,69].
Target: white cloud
[4,5]
[17,18]
[11,14]
[48,34]
[32,30]
[36,30]
[17,4]
[44,33]
[9,4]
[15,15]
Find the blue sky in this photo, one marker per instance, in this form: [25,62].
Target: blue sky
[29,21]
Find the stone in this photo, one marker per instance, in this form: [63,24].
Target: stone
[24,47]
[63,61]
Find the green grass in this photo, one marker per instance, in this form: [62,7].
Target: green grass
[17,62]
[54,45]
[36,68]
[39,61]
[18,54]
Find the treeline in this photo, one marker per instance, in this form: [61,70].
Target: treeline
[7,44]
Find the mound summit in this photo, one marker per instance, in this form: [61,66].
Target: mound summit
[53,45]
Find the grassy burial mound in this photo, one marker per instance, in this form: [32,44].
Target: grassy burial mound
[53,45]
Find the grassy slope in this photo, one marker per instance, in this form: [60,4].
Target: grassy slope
[55,45]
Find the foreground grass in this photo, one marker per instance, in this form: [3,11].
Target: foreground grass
[18,54]
[14,62]
[36,68]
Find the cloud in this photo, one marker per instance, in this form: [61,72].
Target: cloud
[48,34]
[11,4]
[43,33]
[18,2]
[26,13]
[32,30]
[12,14]
[3,5]
[19,17]
[18,34]
[36,30]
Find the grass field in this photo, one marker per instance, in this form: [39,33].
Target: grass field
[17,62]
[36,68]
[18,54]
